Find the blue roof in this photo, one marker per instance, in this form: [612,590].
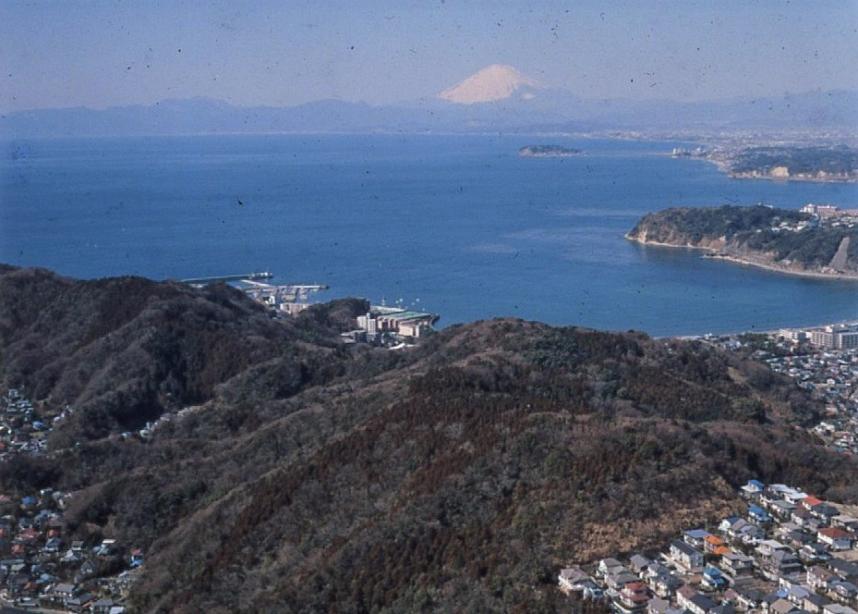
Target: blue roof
[756,510]
[697,533]
[712,571]
[756,483]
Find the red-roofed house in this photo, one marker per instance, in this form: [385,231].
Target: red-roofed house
[711,543]
[834,538]
[809,502]
[633,598]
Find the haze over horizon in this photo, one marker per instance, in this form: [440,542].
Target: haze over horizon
[104,54]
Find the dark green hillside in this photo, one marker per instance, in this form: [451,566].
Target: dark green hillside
[799,160]
[457,476]
[122,351]
[781,238]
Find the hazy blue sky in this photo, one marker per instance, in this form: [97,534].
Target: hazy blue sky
[282,53]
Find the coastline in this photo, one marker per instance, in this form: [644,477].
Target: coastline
[714,255]
[724,166]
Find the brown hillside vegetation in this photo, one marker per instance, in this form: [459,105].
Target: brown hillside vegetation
[315,477]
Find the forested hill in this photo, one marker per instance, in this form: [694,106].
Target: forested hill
[781,239]
[313,476]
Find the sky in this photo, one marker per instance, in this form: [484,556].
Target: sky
[100,54]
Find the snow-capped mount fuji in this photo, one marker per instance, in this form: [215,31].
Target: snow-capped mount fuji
[496,98]
[491,84]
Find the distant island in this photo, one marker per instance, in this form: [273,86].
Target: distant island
[818,240]
[547,151]
[820,163]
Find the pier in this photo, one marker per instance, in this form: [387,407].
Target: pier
[204,281]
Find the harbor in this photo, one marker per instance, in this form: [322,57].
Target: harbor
[381,325]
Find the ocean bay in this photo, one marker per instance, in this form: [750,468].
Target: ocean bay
[455,224]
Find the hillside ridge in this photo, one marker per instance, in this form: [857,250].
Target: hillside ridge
[308,475]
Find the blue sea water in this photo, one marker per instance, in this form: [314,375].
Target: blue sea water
[453,224]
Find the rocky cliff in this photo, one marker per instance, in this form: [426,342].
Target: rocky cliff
[784,240]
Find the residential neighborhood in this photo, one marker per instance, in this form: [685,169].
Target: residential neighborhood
[789,553]
[41,564]
[812,358]
[22,430]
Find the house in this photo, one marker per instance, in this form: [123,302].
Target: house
[106,548]
[835,538]
[102,606]
[752,490]
[785,562]
[768,547]
[731,596]
[796,537]
[571,579]
[730,524]
[825,512]
[797,593]
[801,517]
[62,592]
[758,515]
[836,608]
[813,553]
[592,591]
[739,529]
[657,605]
[809,502]
[818,578]
[632,598]
[639,563]
[685,556]
[664,584]
[712,579]
[87,570]
[779,564]
[782,509]
[814,603]
[606,565]
[53,545]
[841,590]
[737,564]
[684,596]
[847,570]
[769,599]
[781,492]
[701,604]
[662,606]
[782,606]
[136,558]
[617,579]
[751,534]
[845,522]
[712,544]
[695,537]
[80,602]
[749,598]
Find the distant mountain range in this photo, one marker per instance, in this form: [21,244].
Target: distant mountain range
[497,98]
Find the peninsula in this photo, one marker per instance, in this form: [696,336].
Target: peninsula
[547,151]
[817,241]
[786,163]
